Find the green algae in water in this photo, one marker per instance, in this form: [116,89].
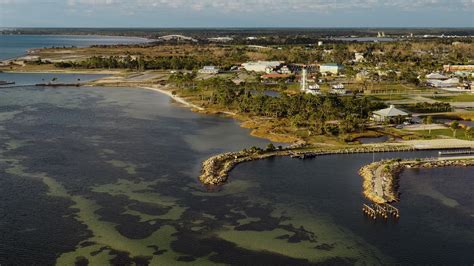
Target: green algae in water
[341,243]
[130,168]
[5,116]
[104,233]
[140,191]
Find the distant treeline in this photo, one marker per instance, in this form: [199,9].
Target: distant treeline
[138,63]
[272,35]
[426,107]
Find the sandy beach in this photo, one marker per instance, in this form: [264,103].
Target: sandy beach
[174,97]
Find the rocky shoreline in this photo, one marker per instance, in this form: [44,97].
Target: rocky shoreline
[380,179]
[215,170]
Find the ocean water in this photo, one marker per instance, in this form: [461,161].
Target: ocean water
[110,176]
[20,79]
[12,46]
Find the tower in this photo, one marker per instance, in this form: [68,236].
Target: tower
[304,84]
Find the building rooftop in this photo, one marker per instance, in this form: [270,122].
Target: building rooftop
[436,76]
[391,112]
[209,67]
[265,63]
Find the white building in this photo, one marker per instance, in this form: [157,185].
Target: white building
[285,70]
[338,89]
[331,68]
[261,66]
[436,76]
[449,83]
[313,89]
[209,70]
[388,114]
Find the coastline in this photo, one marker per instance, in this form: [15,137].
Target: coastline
[174,97]
[215,170]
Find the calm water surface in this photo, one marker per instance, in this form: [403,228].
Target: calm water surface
[42,78]
[109,175]
[12,46]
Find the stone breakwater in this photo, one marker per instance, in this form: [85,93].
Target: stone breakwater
[215,170]
[380,179]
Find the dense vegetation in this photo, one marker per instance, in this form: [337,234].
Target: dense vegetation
[395,62]
[425,107]
[320,114]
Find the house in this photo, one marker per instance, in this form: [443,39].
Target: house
[331,68]
[313,89]
[338,89]
[285,70]
[389,114]
[261,66]
[209,70]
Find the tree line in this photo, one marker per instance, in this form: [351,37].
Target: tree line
[329,115]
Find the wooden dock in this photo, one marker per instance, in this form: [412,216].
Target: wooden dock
[384,211]
[458,152]
[314,154]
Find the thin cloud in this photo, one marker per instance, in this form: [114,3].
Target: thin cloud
[259,5]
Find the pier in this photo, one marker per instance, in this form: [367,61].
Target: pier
[455,153]
[384,211]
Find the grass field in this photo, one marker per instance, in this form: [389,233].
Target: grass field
[457,98]
[394,97]
[444,132]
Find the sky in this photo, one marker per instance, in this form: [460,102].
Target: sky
[236,13]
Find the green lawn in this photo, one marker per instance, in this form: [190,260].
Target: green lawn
[457,98]
[392,97]
[444,132]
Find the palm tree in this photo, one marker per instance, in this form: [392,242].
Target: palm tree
[428,121]
[469,132]
[454,126]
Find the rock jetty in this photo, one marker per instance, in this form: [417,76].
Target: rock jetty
[215,170]
[380,179]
